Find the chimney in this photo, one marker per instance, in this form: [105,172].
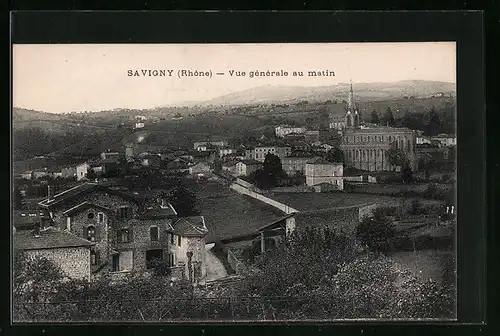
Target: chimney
[50,192]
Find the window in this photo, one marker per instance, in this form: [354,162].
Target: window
[154,233]
[125,236]
[91,233]
[172,237]
[179,240]
[100,217]
[90,215]
[124,213]
[93,257]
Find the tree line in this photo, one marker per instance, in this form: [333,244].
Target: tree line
[431,122]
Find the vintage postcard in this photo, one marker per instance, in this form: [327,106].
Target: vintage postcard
[234,182]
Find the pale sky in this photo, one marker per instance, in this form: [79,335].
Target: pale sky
[92,77]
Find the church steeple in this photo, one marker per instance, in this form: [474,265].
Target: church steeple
[353,118]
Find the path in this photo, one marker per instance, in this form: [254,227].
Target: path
[215,267]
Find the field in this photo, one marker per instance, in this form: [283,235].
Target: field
[316,201]
[228,214]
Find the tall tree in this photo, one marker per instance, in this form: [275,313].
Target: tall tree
[183,200]
[396,157]
[374,118]
[335,155]
[388,118]
[433,125]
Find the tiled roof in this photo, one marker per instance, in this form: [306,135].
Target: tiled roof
[158,211]
[190,226]
[49,238]
[319,161]
[229,163]
[380,129]
[83,206]
[82,189]
[250,162]
[26,219]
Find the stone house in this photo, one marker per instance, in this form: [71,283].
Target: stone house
[27,175]
[127,231]
[229,167]
[68,172]
[247,167]
[82,170]
[292,164]
[320,170]
[259,153]
[66,250]
[199,170]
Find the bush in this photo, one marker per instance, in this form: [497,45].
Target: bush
[377,232]
[160,267]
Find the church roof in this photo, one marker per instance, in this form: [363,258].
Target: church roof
[380,130]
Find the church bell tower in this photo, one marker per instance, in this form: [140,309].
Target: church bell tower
[352,117]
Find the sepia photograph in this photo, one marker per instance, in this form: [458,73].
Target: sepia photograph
[265,182]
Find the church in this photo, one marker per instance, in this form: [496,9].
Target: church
[366,148]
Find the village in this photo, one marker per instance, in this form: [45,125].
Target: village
[204,215]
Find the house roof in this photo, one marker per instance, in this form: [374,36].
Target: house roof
[159,211]
[83,206]
[380,129]
[49,238]
[82,189]
[319,161]
[250,162]
[191,226]
[26,219]
[229,163]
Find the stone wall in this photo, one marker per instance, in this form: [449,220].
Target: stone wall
[73,261]
[244,191]
[79,224]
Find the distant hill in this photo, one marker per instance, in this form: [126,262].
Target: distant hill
[362,92]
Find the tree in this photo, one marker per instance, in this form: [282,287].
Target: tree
[183,200]
[407,173]
[19,202]
[396,157]
[374,118]
[91,174]
[388,118]
[335,155]
[376,232]
[433,125]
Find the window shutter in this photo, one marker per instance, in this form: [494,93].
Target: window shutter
[130,234]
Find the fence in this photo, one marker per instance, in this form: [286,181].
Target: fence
[170,309]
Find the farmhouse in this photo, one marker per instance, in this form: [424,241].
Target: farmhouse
[127,231]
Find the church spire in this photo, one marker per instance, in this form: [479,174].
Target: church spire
[350,102]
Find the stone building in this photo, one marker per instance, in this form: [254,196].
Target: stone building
[320,170]
[366,148]
[293,164]
[259,153]
[246,167]
[127,230]
[283,130]
[64,249]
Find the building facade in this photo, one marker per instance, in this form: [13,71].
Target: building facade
[259,153]
[366,148]
[283,130]
[292,165]
[319,171]
[247,167]
[127,231]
